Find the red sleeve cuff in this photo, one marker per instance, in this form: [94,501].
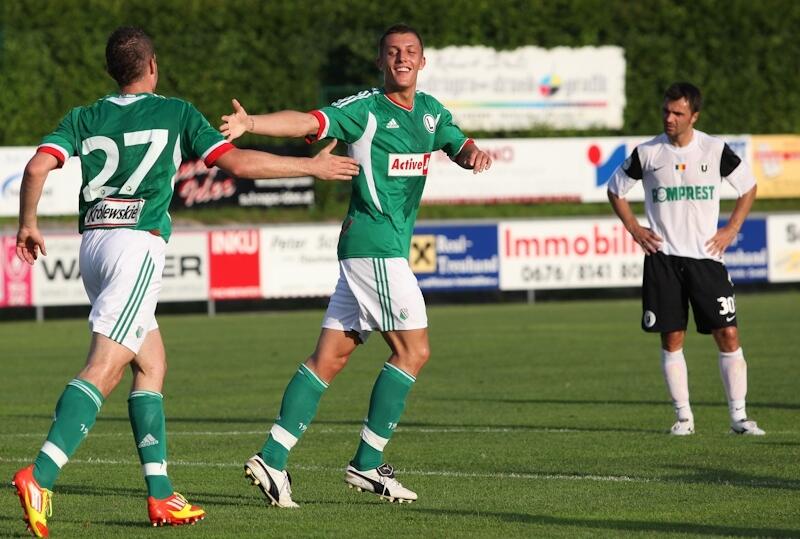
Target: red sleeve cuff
[323,126]
[52,151]
[218,152]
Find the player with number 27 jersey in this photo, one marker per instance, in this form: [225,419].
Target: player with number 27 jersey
[128,177]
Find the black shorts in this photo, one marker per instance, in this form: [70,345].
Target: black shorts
[672,282]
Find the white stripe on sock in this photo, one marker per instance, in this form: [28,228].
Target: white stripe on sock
[55,453]
[401,371]
[83,387]
[312,373]
[283,436]
[373,440]
[145,393]
[155,468]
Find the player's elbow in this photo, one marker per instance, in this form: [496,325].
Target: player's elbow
[40,166]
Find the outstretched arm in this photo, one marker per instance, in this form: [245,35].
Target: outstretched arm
[29,240]
[646,238]
[725,235]
[473,157]
[255,164]
[286,123]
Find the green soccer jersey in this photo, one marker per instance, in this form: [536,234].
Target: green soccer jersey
[131,147]
[393,145]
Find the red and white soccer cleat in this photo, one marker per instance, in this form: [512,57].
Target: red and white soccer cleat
[37,502]
[174,511]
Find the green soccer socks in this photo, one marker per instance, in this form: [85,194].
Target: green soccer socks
[75,415]
[298,408]
[385,408]
[146,412]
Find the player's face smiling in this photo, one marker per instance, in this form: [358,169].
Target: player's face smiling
[401,59]
[678,119]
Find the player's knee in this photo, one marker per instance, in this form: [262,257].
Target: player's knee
[327,365]
[727,338]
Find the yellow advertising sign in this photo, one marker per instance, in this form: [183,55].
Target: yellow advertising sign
[423,253]
[776,165]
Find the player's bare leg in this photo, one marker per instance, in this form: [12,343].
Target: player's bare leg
[733,370]
[673,365]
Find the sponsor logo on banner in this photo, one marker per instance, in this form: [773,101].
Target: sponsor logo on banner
[605,167]
[408,164]
[114,212]
[746,258]
[234,264]
[460,257]
[493,90]
[57,276]
[15,276]
[579,253]
[299,261]
[783,242]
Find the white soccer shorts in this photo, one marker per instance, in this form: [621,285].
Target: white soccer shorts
[376,294]
[121,270]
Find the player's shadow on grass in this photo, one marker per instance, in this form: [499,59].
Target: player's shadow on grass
[595,402]
[699,474]
[620,525]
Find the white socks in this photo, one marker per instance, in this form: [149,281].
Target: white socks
[733,370]
[677,377]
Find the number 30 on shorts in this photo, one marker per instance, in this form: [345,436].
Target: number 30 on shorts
[727,305]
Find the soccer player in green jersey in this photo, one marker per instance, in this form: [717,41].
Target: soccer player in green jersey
[391,132]
[131,144]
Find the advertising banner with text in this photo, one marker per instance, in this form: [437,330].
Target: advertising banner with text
[544,170]
[234,271]
[455,257]
[299,261]
[776,164]
[580,253]
[783,241]
[15,276]
[563,88]
[746,258]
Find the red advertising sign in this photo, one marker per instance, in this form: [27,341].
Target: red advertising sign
[235,271]
[15,276]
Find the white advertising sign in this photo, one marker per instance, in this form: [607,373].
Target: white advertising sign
[186,267]
[783,246]
[544,170]
[564,88]
[299,261]
[60,194]
[564,253]
[57,276]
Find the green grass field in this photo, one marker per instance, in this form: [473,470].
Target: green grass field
[530,420]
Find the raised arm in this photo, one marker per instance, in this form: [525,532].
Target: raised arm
[255,164]
[286,123]
[29,239]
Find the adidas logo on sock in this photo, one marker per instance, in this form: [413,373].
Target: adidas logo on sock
[147,441]
[392,124]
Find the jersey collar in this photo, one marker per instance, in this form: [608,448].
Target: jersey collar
[395,103]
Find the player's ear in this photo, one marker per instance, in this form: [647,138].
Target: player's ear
[422,63]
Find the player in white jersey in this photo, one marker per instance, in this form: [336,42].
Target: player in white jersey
[681,171]
[392,131]
[131,145]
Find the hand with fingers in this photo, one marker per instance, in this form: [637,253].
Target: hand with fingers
[721,240]
[648,240]
[472,157]
[29,243]
[328,166]
[237,123]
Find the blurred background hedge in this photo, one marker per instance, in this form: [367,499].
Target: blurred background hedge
[297,54]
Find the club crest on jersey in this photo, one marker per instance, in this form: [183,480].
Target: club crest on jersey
[408,164]
[114,212]
[430,122]
[704,167]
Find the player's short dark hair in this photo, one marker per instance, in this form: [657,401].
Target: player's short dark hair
[687,91]
[398,29]
[127,52]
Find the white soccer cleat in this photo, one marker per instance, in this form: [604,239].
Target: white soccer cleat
[379,481]
[682,427]
[275,484]
[748,427]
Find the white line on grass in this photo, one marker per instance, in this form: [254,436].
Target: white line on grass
[321,430]
[435,473]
